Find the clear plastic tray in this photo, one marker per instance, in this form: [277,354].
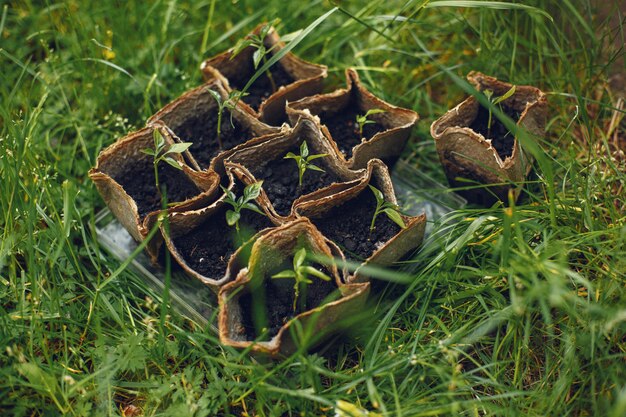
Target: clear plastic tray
[416,193]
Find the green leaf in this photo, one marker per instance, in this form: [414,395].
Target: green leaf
[298,258]
[148,151]
[258,55]
[373,111]
[378,194]
[291,155]
[232,217]
[240,46]
[216,96]
[505,96]
[172,162]
[179,148]
[304,149]
[316,273]
[315,168]
[252,191]
[253,207]
[287,273]
[319,155]
[395,217]
[159,141]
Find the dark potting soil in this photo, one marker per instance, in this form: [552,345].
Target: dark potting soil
[138,182]
[201,131]
[279,295]
[208,248]
[345,130]
[348,225]
[501,139]
[280,181]
[261,89]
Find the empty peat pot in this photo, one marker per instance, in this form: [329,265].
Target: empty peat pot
[194,116]
[281,183]
[124,177]
[263,313]
[344,214]
[202,242]
[471,148]
[382,134]
[291,78]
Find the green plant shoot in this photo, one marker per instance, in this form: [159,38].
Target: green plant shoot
[257,41]
[162,152]
[300,274]
[363,120]
[382,206]
[496,101]
[228,103]
[304,161]
[246,201]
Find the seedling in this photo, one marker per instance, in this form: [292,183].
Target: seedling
[382,206]
[496,101]
[363,120]
[250,193]
[300,274]
[163,152]
[304,161]
[257,41]
[228,103]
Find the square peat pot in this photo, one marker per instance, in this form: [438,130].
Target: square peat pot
[416,192]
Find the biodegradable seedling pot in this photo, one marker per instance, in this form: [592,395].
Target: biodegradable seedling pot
[124,177]
[266,161]
[385,138]
[255,294]
[498,161]
[294,77]
[202,242]
[193,117]
[343,213]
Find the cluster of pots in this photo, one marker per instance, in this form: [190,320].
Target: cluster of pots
[329,214]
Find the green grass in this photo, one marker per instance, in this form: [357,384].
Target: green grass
[512,311]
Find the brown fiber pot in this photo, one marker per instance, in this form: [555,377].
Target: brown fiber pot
[467,154]
[335,201]
[192,118]
[387,144]
[184,225]
[235,73]
[272,250]
[122,162]
[248,162]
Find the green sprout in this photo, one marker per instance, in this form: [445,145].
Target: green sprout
[363,120]
[163,152]
[250,193]
[228,103]
[300,274]
[304,161]
[382,206]
[257,41]
[496,101]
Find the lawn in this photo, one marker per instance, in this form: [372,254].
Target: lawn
[513,309]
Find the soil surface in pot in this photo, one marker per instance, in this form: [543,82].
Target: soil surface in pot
[280,180]
[201,131]
[501,139]
[208,248]
[344,129]
[138,182]
[279,295]
[261,89]
[348,225]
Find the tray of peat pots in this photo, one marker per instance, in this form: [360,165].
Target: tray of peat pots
[145,171]
[362,217]
[291,78]
[474,146]
[361,125]
[291,166]
[280,297]
[202,241]
[214,122]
